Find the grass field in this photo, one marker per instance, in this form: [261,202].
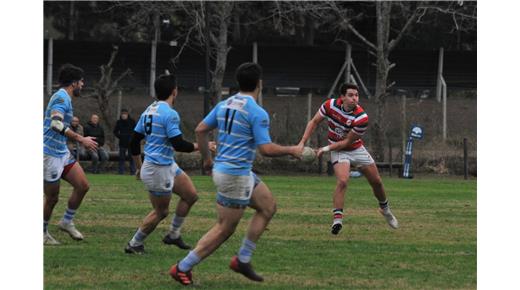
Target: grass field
[435,248]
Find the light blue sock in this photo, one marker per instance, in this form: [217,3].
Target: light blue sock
[175,227]
[189,262]
[246,251]
[138,238]
[69,215]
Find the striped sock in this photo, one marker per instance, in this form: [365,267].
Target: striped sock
[384,204]
[175,227]
[338,215]
[246,251]
[45,225]
[189,262]
[138,238]
[69,215]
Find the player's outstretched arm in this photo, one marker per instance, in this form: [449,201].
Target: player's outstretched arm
[58,126]
[88,142]
[181,145]
[351,137]
[274,150]
[311,126]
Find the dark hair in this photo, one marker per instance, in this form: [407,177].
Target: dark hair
[164,85]
[69,74]
[346,86]
[248,74]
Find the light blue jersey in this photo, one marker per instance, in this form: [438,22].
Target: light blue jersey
[242,126]
[55,144]
[158,123]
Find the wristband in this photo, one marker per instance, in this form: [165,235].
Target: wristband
[325,149]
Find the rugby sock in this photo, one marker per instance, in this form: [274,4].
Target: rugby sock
[189,262]
[175,227]
[338,215]
[69,215]
[383,204]
[246,251]
[45,225]
[138,238]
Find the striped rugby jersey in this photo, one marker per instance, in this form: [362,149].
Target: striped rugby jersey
[242,126]
[55,144]
[341,122]
[158,123]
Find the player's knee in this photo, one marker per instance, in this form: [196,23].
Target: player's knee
[192,198]
[162,213]
[377,183]
[227,229]
[83,187]
[270,211]
[342,183]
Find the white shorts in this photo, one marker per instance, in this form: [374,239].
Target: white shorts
[356,157]
[53,166]
[233,190]
[159,179]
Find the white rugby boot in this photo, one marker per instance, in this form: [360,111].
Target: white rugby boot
[390,218]
[49,240]
[71,230]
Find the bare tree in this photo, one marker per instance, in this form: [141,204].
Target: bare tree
[387,37]
[105,87]
[211,21]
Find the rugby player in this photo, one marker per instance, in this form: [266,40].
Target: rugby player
[243,126]
[347,122]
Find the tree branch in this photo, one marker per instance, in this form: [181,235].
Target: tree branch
[391,66]
[186,40]
[115,49]
[393,43]
[114,84]
[368,43]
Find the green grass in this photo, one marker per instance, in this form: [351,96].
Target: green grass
[435,247]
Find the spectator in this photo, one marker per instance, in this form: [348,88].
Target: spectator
[123,131]
[76,149]
[95,130]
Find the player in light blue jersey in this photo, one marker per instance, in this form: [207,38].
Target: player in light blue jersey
[243,126]
[159,126]
[57,161]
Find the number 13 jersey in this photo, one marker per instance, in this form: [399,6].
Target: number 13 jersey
[158,123]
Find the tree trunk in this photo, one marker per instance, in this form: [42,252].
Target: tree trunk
[383,67]
[236,29]
[72,21]
[221,47]
[309,31]
[106,120]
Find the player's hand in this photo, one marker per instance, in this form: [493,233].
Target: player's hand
[138,174]
[297,151]
[207,165]
[319,152]
[212,146]
[89,143]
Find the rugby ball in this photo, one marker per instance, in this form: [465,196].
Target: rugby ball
[308,154]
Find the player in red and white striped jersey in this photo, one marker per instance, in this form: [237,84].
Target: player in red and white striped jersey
[347,122]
